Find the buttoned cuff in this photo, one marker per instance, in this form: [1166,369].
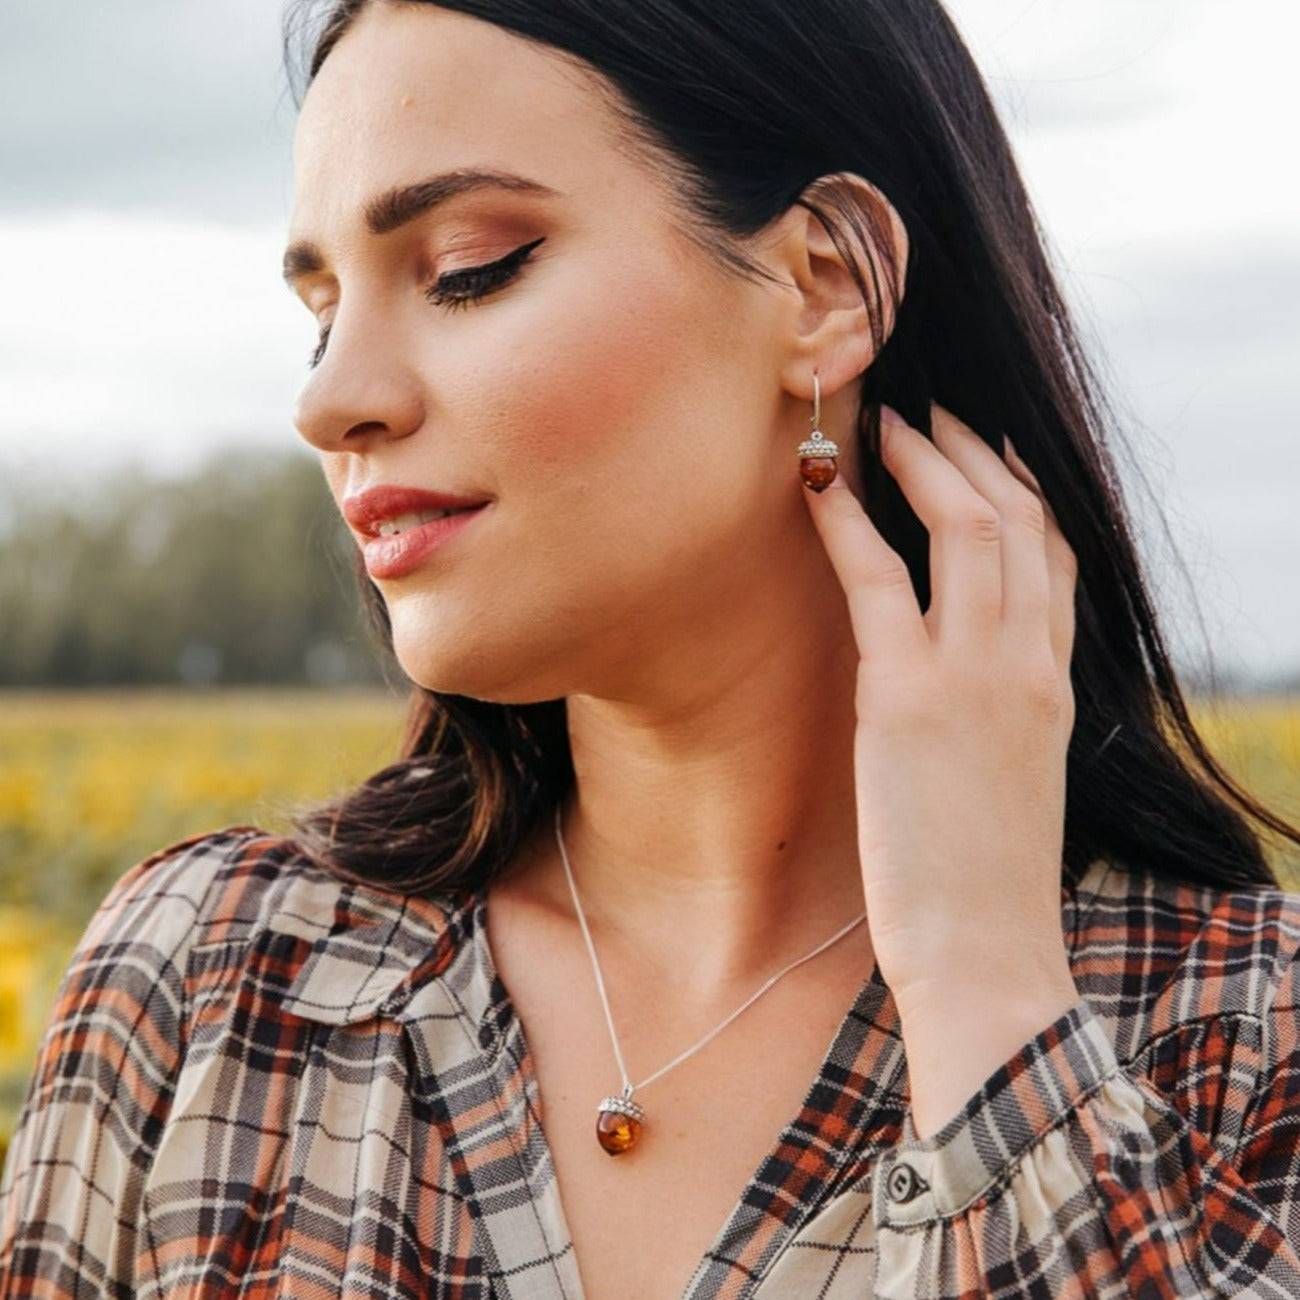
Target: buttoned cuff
[923,1179]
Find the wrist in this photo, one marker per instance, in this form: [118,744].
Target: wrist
[959,1028]
[974,971]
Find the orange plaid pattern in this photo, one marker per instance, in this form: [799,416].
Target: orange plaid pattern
[259,1081]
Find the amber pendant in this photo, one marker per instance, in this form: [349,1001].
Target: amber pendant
[618,1126]
[817,466]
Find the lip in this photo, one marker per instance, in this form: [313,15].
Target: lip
[367,510]
[397,555]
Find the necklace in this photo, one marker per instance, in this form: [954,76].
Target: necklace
[619,1118]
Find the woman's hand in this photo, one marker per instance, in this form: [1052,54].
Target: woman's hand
[964,718]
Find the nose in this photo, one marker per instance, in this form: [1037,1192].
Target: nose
[362,393]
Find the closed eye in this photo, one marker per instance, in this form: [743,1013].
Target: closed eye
[458,289]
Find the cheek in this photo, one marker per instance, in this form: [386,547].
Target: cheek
[609,383]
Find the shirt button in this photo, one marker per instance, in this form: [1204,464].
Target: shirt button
[903,1183]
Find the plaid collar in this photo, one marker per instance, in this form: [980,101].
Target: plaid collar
[378,951]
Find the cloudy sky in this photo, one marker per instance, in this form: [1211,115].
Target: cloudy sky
[144,193]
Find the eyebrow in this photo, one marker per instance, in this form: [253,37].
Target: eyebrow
[400,206]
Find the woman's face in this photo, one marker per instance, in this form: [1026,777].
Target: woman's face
[613,401]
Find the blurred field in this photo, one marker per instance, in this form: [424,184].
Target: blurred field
[90,783]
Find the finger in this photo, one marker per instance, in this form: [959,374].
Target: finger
[1026,588]
[1062,566]
[965,531]
[887,622]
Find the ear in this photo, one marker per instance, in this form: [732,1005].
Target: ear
[831,326]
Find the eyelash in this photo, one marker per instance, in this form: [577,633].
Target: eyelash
[457,289]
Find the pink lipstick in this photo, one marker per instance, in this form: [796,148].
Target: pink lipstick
[399,527]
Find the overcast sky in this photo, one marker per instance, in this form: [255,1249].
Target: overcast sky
[144,194]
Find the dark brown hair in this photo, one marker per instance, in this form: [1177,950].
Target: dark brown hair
[746,106]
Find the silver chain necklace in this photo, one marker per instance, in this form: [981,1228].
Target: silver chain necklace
[620,1119]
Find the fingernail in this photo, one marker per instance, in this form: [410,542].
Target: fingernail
[891,416]
[1015,458]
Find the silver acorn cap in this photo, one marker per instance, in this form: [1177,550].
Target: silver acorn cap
[622,1106]
[818,445]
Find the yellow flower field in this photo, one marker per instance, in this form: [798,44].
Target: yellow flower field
[91,783]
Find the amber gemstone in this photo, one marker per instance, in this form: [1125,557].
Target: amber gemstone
[617,1133]
[818,472]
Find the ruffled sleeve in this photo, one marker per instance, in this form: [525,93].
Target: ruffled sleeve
[1070,1175]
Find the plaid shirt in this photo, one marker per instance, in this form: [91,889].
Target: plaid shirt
[259,1081]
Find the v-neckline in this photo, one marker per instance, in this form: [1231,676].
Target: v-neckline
[852,1108]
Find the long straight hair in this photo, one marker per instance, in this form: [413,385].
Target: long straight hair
[746,105]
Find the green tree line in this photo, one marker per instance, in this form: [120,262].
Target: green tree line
[241,573]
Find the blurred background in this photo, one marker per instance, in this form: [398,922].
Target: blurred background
[179,639]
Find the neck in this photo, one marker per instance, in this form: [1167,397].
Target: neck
[713,822]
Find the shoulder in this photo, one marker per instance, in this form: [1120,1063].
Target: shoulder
[170,892]
[247,901]
[1153,954]
[1121,906]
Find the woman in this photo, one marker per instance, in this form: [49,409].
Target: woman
[709,768]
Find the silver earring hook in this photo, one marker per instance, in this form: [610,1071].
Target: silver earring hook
[817,402]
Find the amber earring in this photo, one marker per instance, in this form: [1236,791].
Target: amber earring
[817,465]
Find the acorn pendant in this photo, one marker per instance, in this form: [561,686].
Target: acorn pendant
[817,465]
[618,1126]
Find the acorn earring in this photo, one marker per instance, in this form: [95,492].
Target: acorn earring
[817,455]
